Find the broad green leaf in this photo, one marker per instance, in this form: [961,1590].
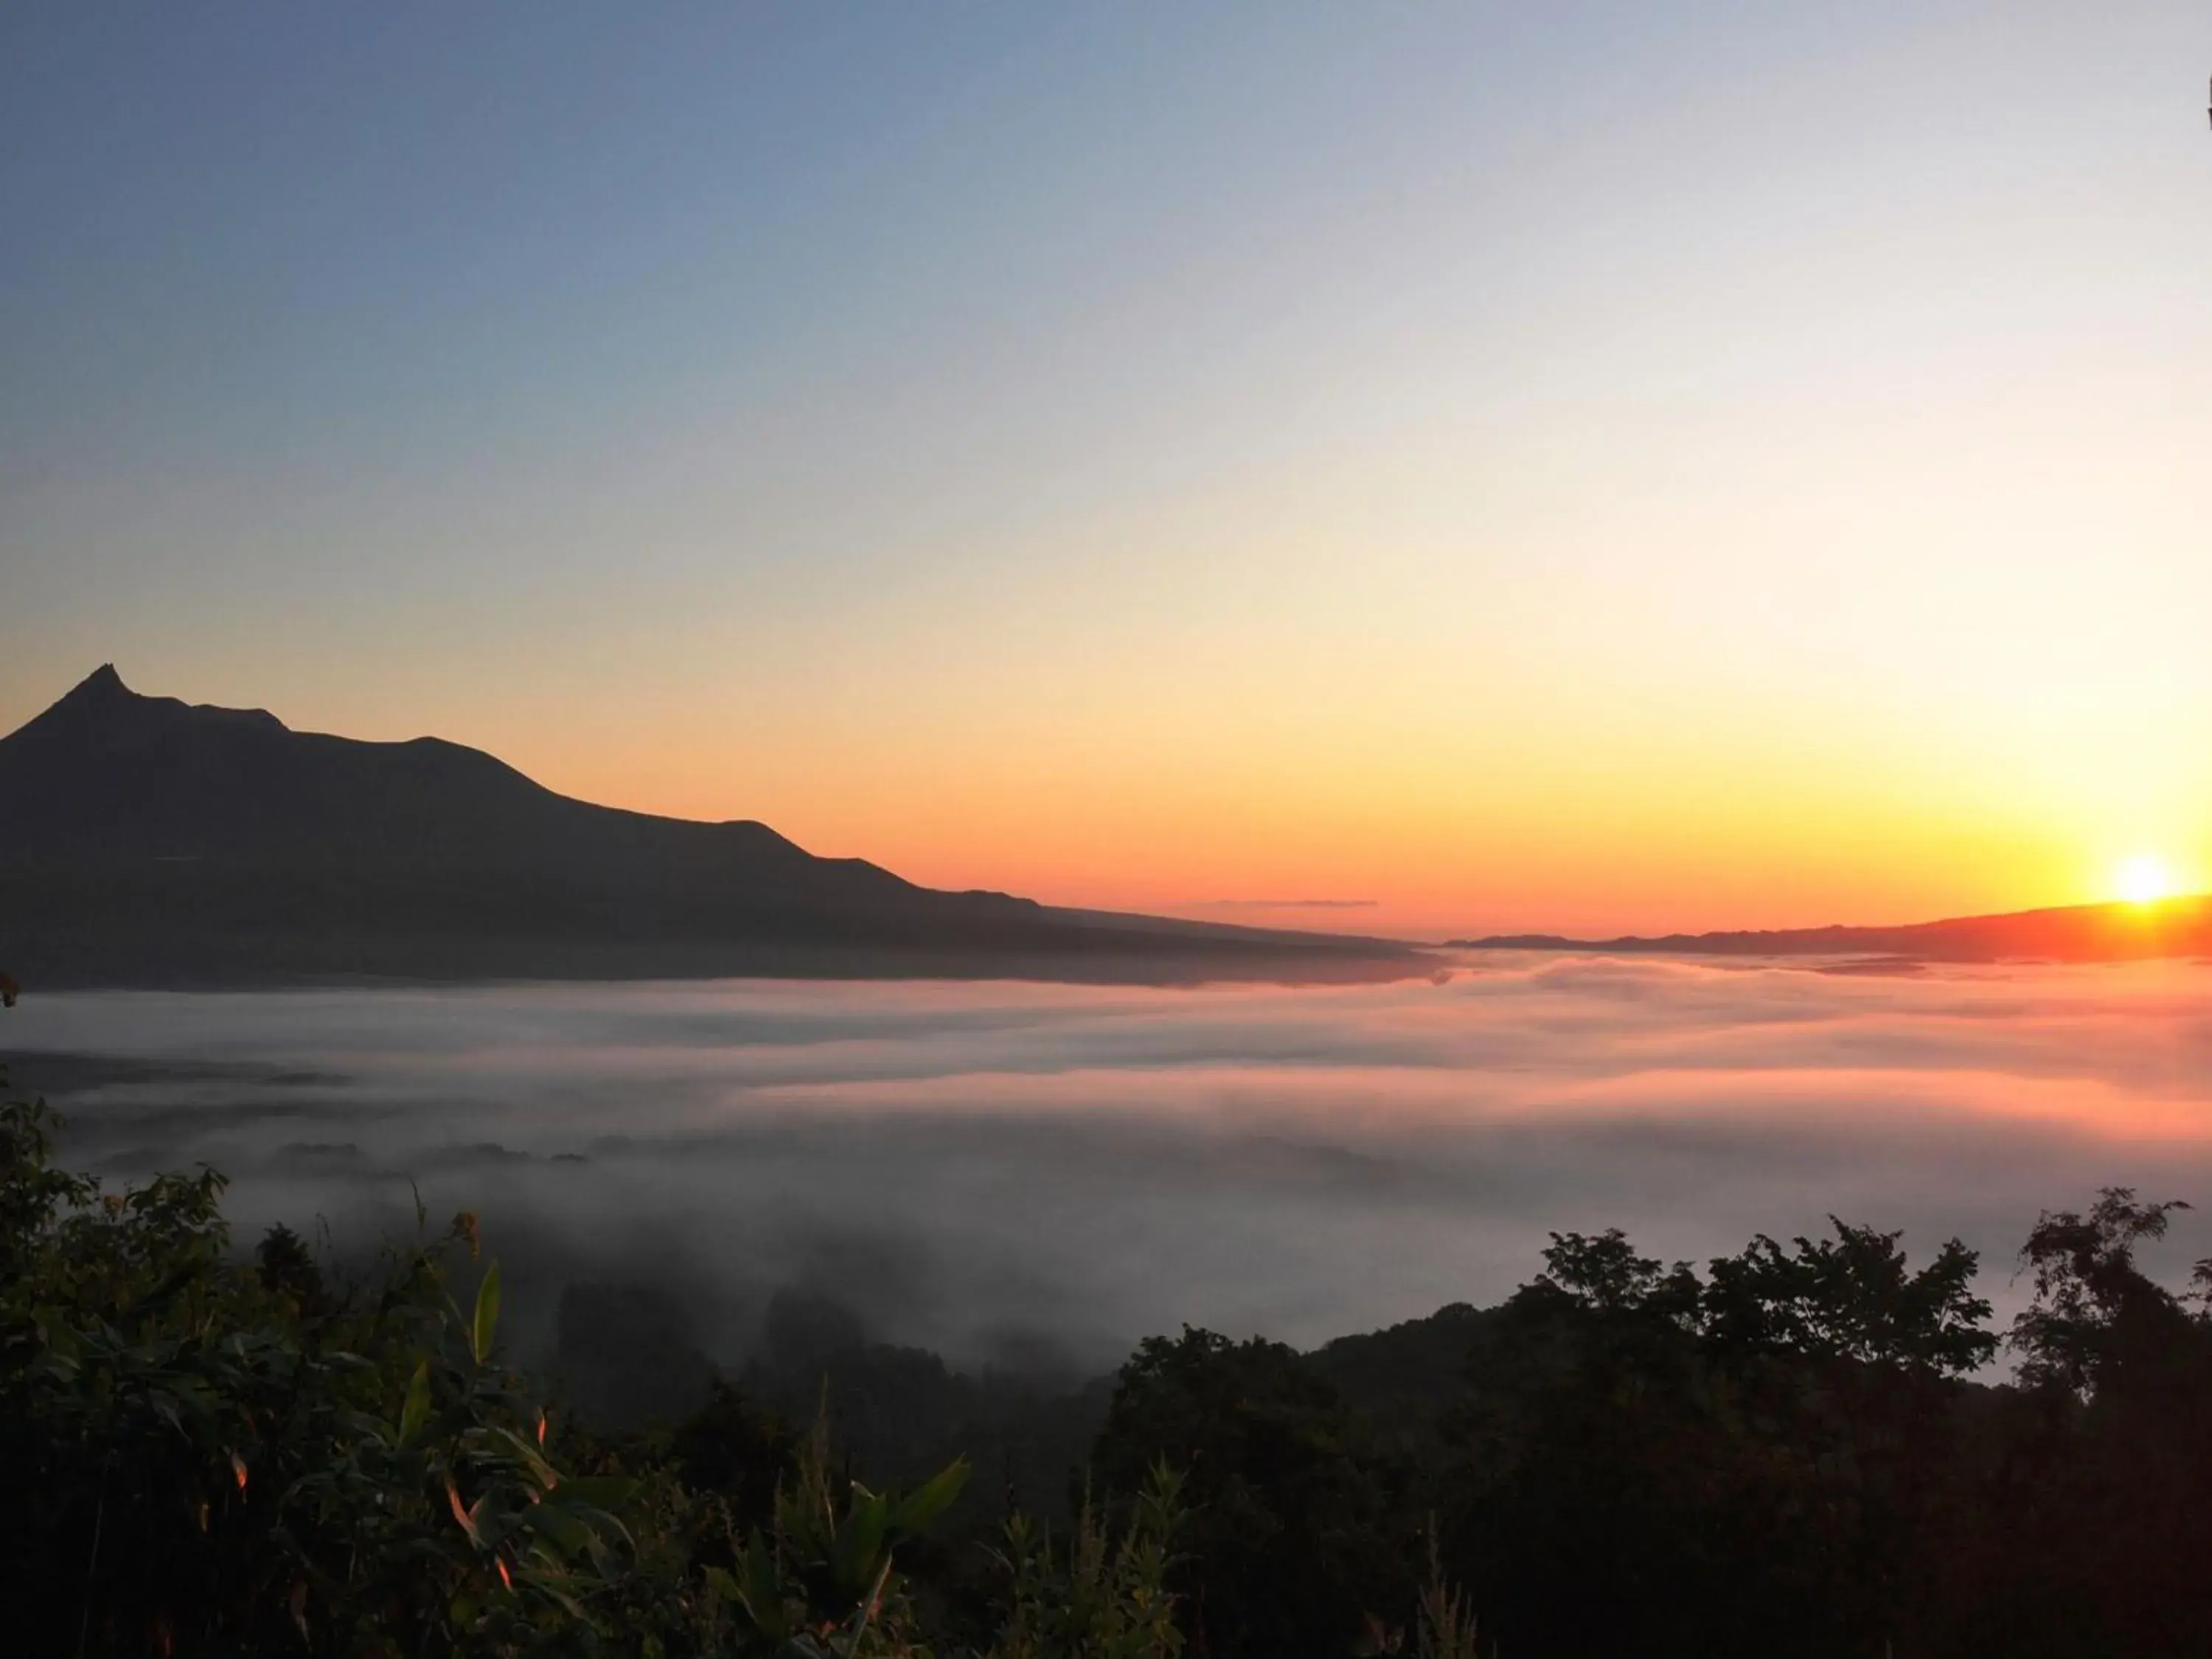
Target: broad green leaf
[487,1319]
[563,1530]
[531,1458]
[923,1506]
[854,1557]
[761,1591]
[561,1598]
[600,1491]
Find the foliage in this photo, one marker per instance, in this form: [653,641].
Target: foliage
[1849,1297]
[1605,1275]
[821,1582]
[2092,1307]
[213,1456]
[1852,1298]
[1798,1450]
[1293,1528]
[1790,1451]
[737,1450]
[1104,1597]
[216,1454]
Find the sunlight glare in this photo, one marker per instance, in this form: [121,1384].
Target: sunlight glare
[2144,879]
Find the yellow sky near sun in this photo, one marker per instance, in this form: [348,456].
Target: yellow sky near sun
[1766,680]
[1759,683]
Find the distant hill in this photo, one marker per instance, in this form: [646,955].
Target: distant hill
[144,841]
[2080,932]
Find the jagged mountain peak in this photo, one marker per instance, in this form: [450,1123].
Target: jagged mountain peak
[147,840]
[102,684]
[101,705]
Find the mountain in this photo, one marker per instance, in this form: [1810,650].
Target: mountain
[2080,932]
[144,841]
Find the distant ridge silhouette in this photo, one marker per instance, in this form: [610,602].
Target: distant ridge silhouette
[145,841]
[2079,933]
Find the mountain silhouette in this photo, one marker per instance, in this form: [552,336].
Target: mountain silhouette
[2124,931]
[145,841]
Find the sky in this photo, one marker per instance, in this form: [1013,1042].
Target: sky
[1595,467]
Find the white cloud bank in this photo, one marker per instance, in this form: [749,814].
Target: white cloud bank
[1000,1169]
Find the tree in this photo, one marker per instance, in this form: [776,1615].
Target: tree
[2092,1307]
[1294,1536]
[1605,1275]
[1852,1298]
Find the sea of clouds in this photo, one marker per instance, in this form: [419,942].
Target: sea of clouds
[1023,1175]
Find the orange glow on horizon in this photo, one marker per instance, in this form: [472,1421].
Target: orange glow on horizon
[1656,812]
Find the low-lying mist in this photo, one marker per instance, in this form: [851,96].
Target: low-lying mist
[1026,1178]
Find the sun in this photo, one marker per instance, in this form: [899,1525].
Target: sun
[2145,879]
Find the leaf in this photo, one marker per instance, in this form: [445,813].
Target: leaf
[589,1502]
[761,1590]
[859,1541]
[559,1597]
[923,1506]
[555,1524]
[417,1408]
[487,1319]
[465,1517]
[547,1477]
[599,1491]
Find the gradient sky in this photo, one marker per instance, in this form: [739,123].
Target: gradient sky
[1595,466]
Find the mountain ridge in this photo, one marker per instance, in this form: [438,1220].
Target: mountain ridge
[149,840]
[2124,931]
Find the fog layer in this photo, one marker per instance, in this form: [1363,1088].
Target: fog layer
[1032,1175]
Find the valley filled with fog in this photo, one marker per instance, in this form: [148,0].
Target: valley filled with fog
[1029,1177]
